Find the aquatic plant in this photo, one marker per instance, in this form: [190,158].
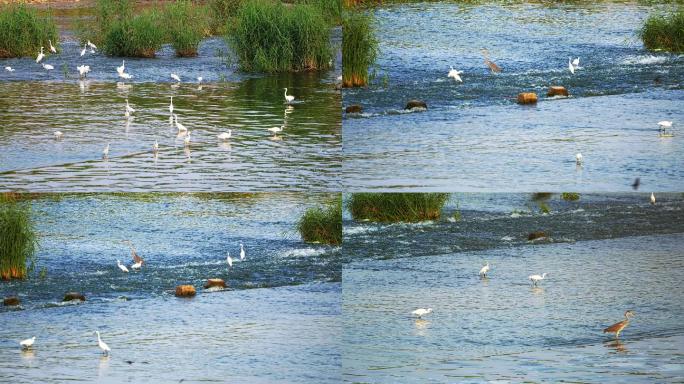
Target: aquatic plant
[17,238]
[23,31]
[664,32]
[396,207]
[322,224]
[268,36]
[570,196]
[359,48]
[186,25]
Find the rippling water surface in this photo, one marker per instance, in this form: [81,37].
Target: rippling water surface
[502,328]
[474,137]
[90,114]
[290,320]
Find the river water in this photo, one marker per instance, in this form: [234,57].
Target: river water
[604,255]
[474,137]
[279,321]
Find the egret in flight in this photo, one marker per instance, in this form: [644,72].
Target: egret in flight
[28,343]
[288,98]
[420,312]
[103,346]
[535,279]
[484,270]
[618,327]
[121,266]
[455,74]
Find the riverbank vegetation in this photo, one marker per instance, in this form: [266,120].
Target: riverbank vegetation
[322,224]
[17,238]
[359,48]
[664,32]
[397,207]
[23,31]
[268,36]
[186,25]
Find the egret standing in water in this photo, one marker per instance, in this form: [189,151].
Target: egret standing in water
[455,74]
[48,67]
[225,135]
[181,127]
[420,312]
[125,76]
[579,159]
[129,109]
[41,55]
[575,63]
[175,77]
[229,260]
[122,68]
[242,252]
[155,147]
[171,106]
[535,279]
[199,79]
[83,70]
[92,46]
[652,199]
[28,343]
[52,48]
[276,130]
[9,69]
[58,135]
[570,66]
[484,270]
[121,266]
[288,98]
[103,346]
[83,51]
[618,327]
[186,140]
[105,151]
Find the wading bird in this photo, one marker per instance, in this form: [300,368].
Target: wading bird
[275,130]
[129,109]
[103,346]
[9,69]
[58,135]
[83,51]
[48,67]
[52,48]
[575,63]
[155,147]
[91,45]
[181,127]
[652,198]
[41,55]
[484,270]
[242,252]
[83,70]
[420,312]
[105,154]
[186,140]
[175,77]
[28,343]
[125,76]
[618,327]
[288,98]
[229,260]
[535,279]
[225,135]
[199,79]
[571,67]
[137,260]
[663,125]
[492,66]
[171,106]
[121,266]
[122,68]
[455,74]
[579,159]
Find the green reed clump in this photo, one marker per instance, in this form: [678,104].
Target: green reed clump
[664,32]
[23,31]
[570,196]
[222,12]
[17,238]
[359,48]
[331,9]
[397,207]
[322,224]
[268,36]
[186,25]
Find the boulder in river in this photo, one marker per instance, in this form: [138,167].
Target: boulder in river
[354,108]
[215,283]
[557,90]
[185,291]
[413,104]
[69,296]
[11,301]
[527,98]
[536,235]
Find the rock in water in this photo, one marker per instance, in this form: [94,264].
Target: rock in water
[557,91]
[354,108]
[69,296]
[11,301]
[185,291]
[412,104]
[215,283]
[527,98]
[536,235]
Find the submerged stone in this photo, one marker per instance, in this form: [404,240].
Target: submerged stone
[415,104]
[11,301]
[527,98]
[557,90]
[69,296]
[215,283]
[354,108]
[536,235]
[185,291]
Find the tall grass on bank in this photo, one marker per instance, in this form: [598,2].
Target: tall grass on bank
[664,32]
[23,31]
[322,224]
[397,207]
[186,25]
[222,13]
[331,9]
[268,36]
[17,238]
[359,48]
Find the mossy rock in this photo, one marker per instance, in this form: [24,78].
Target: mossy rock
[527,98]
[536,235]
[185,291]
[557,90]
[354,108]
[70,296]
[412,104]
[11,301]
[215,283]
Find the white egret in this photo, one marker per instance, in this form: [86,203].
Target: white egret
[103,346]
[171,106]
[83,70]
[175,77]
[455,74]
[129,110]
[579,159]
[122,68]
[26,344]
[105,153]
[48,67]
[91,45]
[155,147]
[52,48]
[181,127]
[186,140]
[653,201]
[121,266]
[9,69]
[537,278]
[570,66]
[58,135]
[575,63]
[664,124]
[229,260]
[484,270]
[41,55]
[275,130]
[125,76]
[242,252]
[288,98]
[199,79]
[83,51]
[225,135]
[420,312]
